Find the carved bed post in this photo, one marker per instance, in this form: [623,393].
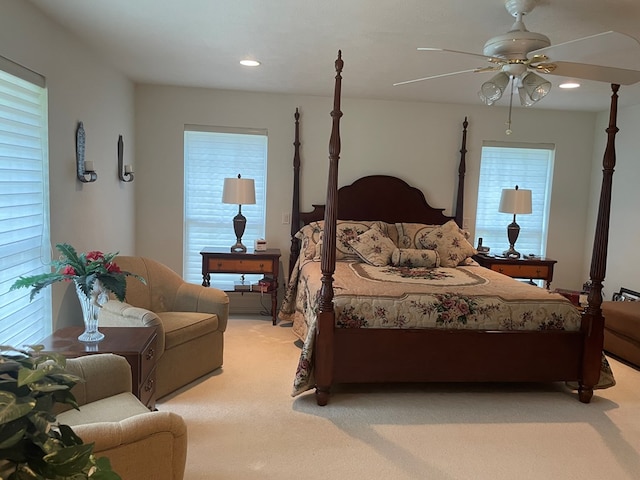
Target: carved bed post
[592,319]
[295,208]
[326,315]
[459,213]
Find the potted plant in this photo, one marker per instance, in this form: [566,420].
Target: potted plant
[32,444]
[94,274]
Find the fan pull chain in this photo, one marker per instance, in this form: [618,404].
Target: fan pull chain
[508,131]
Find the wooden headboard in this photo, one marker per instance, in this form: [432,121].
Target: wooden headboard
[380,197]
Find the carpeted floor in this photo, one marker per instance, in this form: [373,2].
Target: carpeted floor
[243,424]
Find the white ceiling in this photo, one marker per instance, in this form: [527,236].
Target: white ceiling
[199,43]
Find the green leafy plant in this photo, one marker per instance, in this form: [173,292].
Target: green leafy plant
[84,269]
[33,446]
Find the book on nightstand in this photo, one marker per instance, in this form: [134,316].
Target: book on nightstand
[264,285]
[242,287]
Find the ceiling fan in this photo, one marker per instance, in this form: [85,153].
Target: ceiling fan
[519,56]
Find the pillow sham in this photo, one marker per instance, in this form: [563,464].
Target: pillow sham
[310,237]
[415,257]
[373,247]
[410,234]
[346,230]
[450,243]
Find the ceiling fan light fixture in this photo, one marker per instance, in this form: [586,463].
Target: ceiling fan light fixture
[525,100]
[493,89]
[535,86]
[484,99]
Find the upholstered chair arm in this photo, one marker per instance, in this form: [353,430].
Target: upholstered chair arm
[195,298]
[120,314]
[149,445]
[104,375]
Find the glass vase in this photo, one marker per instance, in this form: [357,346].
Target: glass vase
[91,305]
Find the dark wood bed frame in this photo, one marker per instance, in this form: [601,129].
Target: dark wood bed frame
[433,355]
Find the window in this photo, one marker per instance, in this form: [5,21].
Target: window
[505,165]
[24,204]
[212,154]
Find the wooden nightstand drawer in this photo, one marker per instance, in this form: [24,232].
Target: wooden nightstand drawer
[522,271]
[532,268]
[248,265]
[137,344]
[147,390]
[264,262]
[148,358]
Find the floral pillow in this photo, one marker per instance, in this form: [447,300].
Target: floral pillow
[346,230]
[415,257]
[310,236]
[450,243]
[410,234]
[373,247]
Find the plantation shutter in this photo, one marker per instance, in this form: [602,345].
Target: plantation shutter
[212,154]
[505,165]
[24,204]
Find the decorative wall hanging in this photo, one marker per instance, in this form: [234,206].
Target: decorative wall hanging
[85,170]
[125,172]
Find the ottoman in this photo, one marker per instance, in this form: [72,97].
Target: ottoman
[622,330]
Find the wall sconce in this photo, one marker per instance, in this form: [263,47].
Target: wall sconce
[125,172]
[83,169]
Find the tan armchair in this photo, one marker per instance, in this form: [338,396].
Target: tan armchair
[190,320]
[139,444]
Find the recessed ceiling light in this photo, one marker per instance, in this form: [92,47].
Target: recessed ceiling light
[249,63]
[569,85]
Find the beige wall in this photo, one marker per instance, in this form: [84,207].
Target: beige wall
[94,216]
[418,142]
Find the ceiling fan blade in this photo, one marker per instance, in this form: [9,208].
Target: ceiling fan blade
[598,73]
[611,49]
[436,76]
[478,55]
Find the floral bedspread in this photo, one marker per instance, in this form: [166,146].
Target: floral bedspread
[465,297]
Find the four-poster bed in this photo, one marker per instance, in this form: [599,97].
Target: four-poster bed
[536,336]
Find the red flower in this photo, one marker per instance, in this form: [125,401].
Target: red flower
[68,270]
[94,256]
[113,268]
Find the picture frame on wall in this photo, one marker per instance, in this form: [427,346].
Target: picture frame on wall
[626,295]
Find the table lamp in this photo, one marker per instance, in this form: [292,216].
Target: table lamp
[239,191]
[514,201]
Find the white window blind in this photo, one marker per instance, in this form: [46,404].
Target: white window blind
[24,204]
[212,154]
[505,165]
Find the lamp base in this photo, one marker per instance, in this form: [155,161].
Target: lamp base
[513,230]
[239,223]
[511,253]
[238,247]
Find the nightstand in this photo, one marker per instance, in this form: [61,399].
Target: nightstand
[531,268]
[136,344]
[266,262]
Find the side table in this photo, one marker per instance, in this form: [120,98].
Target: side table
[532,268]
[136,344]
[266,262]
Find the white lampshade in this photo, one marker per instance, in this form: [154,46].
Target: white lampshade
[239,191]
[515,200]
[492,90]
[535,87]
